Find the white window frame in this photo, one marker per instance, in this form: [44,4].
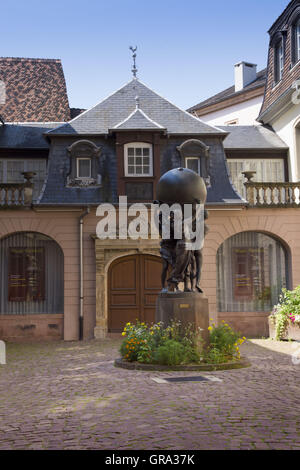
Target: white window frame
[297,40]
[193,158]
[136,145]
[77,168]
[279,61]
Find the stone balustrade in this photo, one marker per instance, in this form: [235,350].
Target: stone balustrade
[17,195]
[273,194]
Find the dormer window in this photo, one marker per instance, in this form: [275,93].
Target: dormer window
[278,61]
[138,159]
[84,165]
[296,41]
[193,163]
[195,156]
[84,168]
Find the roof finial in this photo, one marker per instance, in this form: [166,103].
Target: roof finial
[134,69]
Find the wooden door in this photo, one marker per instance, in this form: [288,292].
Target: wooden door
[133,285]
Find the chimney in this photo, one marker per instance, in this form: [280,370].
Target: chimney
[244,73]
[2,92]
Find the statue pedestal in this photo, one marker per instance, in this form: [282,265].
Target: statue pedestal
[188,307]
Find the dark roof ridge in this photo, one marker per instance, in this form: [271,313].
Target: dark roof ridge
[31,59]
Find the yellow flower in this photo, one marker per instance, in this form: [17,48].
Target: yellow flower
[124,333]
[209,328]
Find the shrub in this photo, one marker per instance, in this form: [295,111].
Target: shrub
[170,353]
[287,311]
[224,344]
[178,344]
[138,344]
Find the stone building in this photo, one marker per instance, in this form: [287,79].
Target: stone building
[59,280]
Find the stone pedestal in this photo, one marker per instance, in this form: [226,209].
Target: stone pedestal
[188,307]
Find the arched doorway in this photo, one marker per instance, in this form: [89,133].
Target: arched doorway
[31,275]
[133,285]
[252,269]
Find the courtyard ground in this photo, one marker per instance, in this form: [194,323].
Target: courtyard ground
[70,396]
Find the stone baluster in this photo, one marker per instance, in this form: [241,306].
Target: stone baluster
[272,197]
[28,189]
[287,195]
[265,194]
[249,186]
[293,189]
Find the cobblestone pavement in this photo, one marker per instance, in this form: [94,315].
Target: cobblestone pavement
[70,396]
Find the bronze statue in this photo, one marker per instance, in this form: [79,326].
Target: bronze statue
[181,186]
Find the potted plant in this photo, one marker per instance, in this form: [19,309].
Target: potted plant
[284,321]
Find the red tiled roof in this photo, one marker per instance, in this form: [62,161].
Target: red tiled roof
[35,90]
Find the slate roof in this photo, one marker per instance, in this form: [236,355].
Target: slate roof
[25,135]
[35,90]
[120,105]
[230,92]
[138,120]
[252,137]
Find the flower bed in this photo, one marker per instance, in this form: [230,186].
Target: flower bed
[178,346]
[284,322]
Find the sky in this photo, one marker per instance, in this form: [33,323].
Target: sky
[186,48]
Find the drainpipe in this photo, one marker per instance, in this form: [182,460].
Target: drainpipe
[81,271]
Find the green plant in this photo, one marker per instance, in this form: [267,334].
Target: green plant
[224,344]
[215,356]
[287,311]
[178,344]
[138,343]
[170,353]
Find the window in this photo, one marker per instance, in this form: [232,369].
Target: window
[296,46]
[267,170]
[84,168]
[138,159]
[26,278]
[252,270]
[193,163]
[234,122]
[278,61]
[31,275]
[11,172]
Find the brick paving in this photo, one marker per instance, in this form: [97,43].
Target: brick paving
[70,396]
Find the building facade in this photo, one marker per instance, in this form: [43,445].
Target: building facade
[58,280]
[239,104]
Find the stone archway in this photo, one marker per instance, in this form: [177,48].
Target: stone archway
[31,286]
[133,285]
[107,252]
[252,269]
